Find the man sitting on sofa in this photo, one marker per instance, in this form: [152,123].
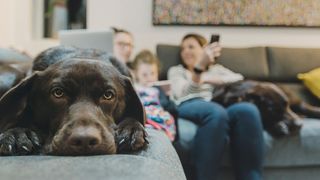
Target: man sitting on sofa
[122,45]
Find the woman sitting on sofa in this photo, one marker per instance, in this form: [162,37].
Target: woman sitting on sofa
[194,80]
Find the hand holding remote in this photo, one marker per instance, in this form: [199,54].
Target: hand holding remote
[211,51]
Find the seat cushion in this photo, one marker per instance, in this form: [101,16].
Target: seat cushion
[158,161]
[297,91]
[299,150]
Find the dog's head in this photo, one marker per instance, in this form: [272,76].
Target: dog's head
[274,106]
[75,104]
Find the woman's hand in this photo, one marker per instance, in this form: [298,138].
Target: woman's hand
[211,51]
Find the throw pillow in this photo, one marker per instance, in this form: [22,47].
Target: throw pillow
[311,80]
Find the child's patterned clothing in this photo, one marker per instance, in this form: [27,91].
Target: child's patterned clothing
[157,117]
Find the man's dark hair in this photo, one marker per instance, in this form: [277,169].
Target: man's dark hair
[118,30]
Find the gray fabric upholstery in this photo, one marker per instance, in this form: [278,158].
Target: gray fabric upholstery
[298,90]
[10,55]
[250,62]
[300,150]
[160,149]
[286,63]
[158,161]
[169,56]
[282,173]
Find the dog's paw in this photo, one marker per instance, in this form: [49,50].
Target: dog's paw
[19,141]
[130,136]
[280,129]
[295,126]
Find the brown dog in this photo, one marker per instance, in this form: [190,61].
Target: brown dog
[73,107]
[273,103]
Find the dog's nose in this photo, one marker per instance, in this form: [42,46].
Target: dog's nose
[84,138]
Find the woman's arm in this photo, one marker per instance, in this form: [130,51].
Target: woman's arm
[218,74]
[181,84]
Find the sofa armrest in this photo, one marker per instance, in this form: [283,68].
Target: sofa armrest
[144,165]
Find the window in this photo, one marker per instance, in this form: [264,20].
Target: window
[63,14]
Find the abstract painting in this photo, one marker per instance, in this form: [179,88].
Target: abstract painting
[237,12]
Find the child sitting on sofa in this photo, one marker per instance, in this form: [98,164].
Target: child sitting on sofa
[154,99]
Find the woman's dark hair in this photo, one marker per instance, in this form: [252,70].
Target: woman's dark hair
[200,39]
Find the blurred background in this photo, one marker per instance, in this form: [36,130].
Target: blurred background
[31,25]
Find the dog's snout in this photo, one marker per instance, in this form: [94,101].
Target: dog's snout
[84,138]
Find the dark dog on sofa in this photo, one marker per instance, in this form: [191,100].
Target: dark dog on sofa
[81,102]
[275,105]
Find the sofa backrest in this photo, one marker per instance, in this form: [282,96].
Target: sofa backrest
[286,63]
[251,62]
[259,63]
[279,65]
[169,55]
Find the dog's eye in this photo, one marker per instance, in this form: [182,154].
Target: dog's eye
[57,92]
[108,95]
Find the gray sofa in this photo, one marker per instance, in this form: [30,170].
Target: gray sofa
[159,161]
[295,157]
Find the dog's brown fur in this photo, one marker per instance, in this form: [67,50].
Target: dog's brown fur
[74,106]
[274,104]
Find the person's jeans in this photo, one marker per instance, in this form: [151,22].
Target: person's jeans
[241,123]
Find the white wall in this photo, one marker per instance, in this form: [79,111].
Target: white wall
[136,16]
[6,22]
[16,27]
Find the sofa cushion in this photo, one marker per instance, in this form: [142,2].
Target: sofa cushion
[286,63]
[250,62]
[169,55]
[187,129]
[299,150]
[297,91]
[11,55]
[158,161]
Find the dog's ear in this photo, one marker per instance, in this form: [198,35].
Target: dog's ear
[133,106]
[13,102]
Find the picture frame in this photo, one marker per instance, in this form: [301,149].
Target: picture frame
[284,13]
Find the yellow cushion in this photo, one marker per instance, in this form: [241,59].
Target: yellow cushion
[311,80]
